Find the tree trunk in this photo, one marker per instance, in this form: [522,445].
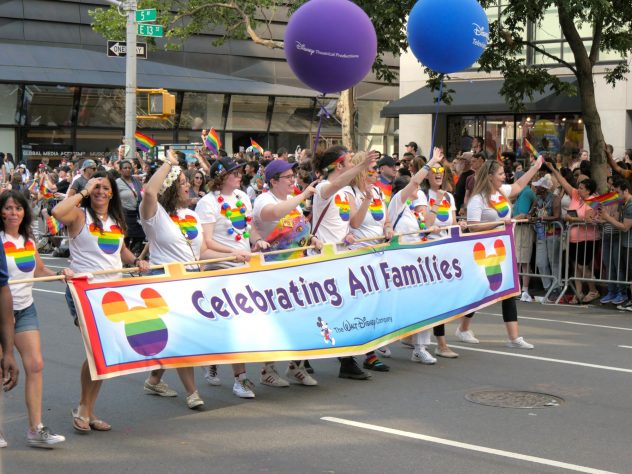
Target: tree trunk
[345,111]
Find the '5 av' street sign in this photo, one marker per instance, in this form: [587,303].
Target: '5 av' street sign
[118,49]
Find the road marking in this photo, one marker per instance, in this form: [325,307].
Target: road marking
[55,266]
[50,291]
[546,359]
[44,257]
[470,447]
[563,322]
[626,347]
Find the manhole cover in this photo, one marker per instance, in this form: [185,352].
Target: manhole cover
[507,399]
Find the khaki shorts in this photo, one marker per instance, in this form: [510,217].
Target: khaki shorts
[523,235]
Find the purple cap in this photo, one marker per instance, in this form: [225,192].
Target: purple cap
[277,167]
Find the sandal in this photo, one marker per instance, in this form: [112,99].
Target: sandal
[81,424]
[99,425]
[591,296]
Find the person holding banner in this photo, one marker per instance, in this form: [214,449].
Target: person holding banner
[24,262]
[489,207]
[440,212]
[278,216]
[331,214]
[367,204]
[96,227]
[226,215]
[406,211]
[174,234]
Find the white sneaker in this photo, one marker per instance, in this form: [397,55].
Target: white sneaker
[300,375]
[211,376]
[243,388]
[269,376]
[384,352]
[526,297]
[520,343]
[43,438]
[466,336]
[194,401]
[424,357]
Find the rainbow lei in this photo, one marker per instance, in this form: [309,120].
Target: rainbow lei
[239,221]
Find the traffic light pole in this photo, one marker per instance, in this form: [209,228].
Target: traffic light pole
[130,75]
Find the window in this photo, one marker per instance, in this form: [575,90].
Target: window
[247,113]
[291,114]
[102,108]
[201,110]
[49,106]
[8,103]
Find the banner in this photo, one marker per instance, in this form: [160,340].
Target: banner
[329,305]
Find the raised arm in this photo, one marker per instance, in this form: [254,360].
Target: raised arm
[565,184]
[149,203]
[344,178]
[410,191]
[613,164]
[68,211]
[526,178]
[274,212]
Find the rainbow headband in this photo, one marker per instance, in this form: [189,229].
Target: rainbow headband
[170,179]
[331,166]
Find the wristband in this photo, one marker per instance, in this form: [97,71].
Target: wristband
[136,262]
[425,167]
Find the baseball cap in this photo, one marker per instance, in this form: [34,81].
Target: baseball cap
[386,161]
[413,144]
[224,165]
[544,182]
[277,167]
[88,164]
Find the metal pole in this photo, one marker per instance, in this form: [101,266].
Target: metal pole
[130,80]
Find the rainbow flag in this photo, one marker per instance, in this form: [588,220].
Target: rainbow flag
[212,141]
[54,226]
[608,199]
[34,186]
[144,142]
[499,157]
[256,146]
[530,148]
[45,192]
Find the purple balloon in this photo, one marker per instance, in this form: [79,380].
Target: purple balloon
[330,44]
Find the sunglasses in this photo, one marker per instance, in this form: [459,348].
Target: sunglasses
[440,169]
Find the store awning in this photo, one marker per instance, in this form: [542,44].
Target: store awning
[72,66]
[478,97]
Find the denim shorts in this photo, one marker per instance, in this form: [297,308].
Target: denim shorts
[26,319]
[71,306]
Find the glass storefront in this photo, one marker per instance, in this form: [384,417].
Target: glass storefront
[44,122]
[548,133]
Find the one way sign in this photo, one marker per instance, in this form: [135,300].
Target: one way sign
[118,49]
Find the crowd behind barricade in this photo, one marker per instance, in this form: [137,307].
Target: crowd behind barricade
[144,211]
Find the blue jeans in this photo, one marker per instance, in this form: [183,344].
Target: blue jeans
[611,256]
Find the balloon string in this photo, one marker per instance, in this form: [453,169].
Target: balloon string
[436,119]
[323,111]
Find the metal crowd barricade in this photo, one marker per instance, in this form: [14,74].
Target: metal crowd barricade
[595,253]
[544,238]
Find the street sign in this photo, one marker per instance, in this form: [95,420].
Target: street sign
[146,15]
[143,29]
[118,49]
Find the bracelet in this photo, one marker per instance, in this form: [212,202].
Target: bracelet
[425,167]
[83,195]
[136,261]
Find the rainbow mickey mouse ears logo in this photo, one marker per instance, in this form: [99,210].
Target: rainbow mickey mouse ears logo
[491,262]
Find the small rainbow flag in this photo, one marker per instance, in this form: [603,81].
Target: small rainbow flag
[499,157]
[54,226]
[608,199]
[45,192]
[144,142]
[212,141]
[530,148]
[256,146]
[34,186]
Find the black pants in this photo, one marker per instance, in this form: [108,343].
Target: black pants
[510,311]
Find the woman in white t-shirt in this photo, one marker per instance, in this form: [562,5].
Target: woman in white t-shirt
[174,234]
[96,227]
[226,217]
[490,203]
[278,217]
[24,262]
[331,214]
[369,219]
[440,212]
[406,212]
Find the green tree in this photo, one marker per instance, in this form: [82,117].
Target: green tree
[252,19]
[611,24]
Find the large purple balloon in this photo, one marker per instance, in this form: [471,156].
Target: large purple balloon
[330,44]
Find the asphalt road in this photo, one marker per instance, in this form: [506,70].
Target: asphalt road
[414,419]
